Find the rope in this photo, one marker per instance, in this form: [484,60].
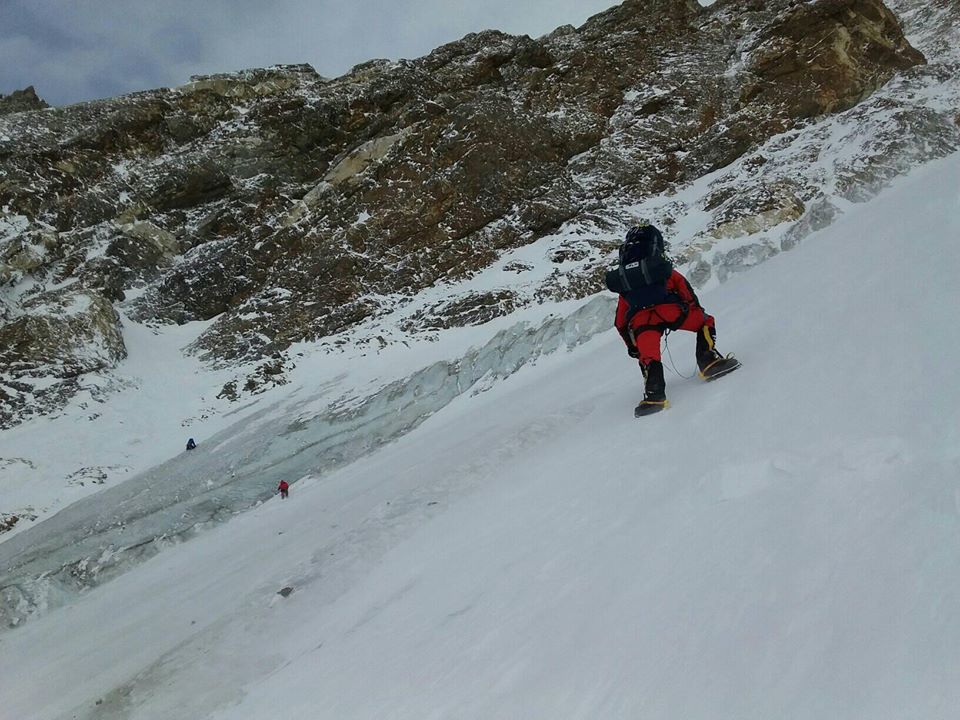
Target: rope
[673,365]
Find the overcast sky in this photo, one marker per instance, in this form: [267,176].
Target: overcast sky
[74,50]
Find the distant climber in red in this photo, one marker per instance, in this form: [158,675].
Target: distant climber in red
[283,488]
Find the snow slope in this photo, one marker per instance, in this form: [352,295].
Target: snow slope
[779,544]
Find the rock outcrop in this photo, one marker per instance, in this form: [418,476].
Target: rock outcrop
[21,101]
[55,339]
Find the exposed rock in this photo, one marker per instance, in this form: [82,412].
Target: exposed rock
[21,101]
[21,254]
[268,374]
[756,210]
[76,331]
[8,520]
[358,160]
[253,83]
[59,337]
[142,248]
[826,56]
[186,187]
[474,309]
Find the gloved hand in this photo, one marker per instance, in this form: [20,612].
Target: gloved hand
[633,352]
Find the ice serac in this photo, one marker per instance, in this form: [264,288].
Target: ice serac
[293,207]
[100,537]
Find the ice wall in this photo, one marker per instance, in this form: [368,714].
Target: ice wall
[100,537]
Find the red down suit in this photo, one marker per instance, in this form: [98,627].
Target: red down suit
[643,327]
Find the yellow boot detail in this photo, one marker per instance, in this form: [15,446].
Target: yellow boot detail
[703,373]
[648,407]
[707,336]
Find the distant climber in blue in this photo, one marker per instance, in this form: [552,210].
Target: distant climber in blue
[655,298]
[191,444]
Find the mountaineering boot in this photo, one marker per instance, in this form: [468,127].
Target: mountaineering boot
[710,362]
[655,390]
[706,347]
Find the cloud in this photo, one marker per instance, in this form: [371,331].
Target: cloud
[73,51]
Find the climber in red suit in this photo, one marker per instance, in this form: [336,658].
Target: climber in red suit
[655,298]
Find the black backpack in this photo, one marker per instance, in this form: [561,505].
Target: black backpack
[643,268]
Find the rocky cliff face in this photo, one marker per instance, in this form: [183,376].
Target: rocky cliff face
[21,101]
[293,207]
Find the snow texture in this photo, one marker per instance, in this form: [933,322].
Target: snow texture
[779,544]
